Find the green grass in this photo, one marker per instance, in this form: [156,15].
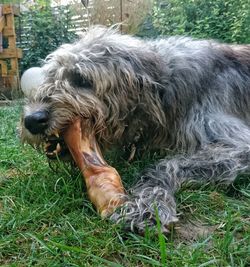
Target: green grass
[47,220]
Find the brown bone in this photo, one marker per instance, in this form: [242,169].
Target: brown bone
[104,185]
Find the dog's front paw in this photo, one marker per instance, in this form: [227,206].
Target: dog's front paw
[145,210]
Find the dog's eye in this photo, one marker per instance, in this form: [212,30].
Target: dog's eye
[77,80]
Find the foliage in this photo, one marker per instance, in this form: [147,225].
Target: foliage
[10,2]
[226,20]
[46,218]
[147,29]
[44,29]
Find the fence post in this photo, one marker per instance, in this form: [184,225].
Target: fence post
[9,73]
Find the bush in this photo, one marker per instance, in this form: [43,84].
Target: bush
[44,29]
[226,20]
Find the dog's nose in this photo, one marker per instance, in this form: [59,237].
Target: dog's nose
[37,122]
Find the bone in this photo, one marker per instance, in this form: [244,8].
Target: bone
[104,185]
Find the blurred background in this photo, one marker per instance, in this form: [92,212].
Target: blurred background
[45,24]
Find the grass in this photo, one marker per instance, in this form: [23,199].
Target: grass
[47,220]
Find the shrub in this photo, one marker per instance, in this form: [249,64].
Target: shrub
[226,20]
[44,29]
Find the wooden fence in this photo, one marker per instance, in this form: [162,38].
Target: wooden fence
[9,53]
[108,12]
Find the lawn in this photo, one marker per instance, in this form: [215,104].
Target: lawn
[47,220]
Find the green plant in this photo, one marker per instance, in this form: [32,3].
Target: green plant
[46,218]
[44,29]
[226,20]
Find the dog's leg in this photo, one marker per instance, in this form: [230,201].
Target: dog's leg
[157,185]
[217,162]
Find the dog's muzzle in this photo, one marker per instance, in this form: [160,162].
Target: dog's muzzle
[37,122]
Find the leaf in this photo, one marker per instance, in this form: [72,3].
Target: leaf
[85,3]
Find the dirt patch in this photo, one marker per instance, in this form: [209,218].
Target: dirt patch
[193,230]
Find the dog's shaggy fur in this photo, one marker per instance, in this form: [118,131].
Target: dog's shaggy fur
[188,96]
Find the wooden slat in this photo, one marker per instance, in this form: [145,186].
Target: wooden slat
[2,20]
[12,42]
[14,66]
[4,70]
[1,34]
[8,31]
[11,53]
[9,72]
[7,9]
[10,22]
[11,9]
[10,82]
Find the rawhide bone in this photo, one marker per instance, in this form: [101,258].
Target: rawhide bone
[104,185]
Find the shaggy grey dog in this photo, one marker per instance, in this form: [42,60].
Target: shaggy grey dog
[177,94]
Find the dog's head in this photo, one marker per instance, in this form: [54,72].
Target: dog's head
[55,105]
[101,78]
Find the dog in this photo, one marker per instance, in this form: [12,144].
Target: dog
[178,94]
